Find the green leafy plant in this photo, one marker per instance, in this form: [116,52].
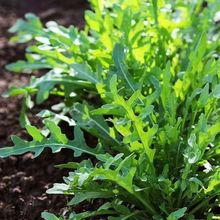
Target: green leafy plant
[151,33]
[153,70]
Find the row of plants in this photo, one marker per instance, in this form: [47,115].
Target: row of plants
[142,79]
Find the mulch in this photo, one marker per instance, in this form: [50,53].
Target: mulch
[24,180]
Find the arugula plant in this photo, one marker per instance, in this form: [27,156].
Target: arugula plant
[152,33]
[153,69]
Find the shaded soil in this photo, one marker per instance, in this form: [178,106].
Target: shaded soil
[23,181]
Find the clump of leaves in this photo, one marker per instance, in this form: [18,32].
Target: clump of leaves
[154,69]
[152,32]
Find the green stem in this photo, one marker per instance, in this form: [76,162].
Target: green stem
[199,206]
[211,109]
[193,120]
[147,205]
[104,212]
[179,198]
[155,8]
[132,214]
[195,198]
[184,177]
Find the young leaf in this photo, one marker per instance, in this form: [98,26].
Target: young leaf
[119,61]
[56,132]
[83,72]
[96,125]
[177,214]
[49,216]
[78,145]
[34,132]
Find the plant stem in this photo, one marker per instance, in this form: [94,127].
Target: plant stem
[195,198]
[179,198]
[148,206]
[199,206]
[133,214]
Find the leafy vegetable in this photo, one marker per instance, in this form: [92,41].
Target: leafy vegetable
[151,70]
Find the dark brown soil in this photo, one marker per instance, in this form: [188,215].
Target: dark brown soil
[24,180]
